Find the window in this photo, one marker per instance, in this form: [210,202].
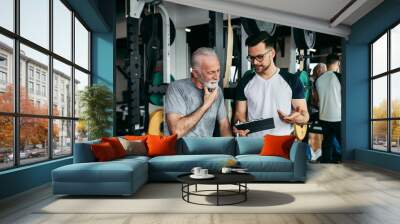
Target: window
[33,148]
[30,72]
[6,143]
[62,75]
[385,96]
[30,87]
[6,74]
[3,72]
[7,14]
[44,91]
[35,22]
[62,130]
[3,61]
[62,29]
[81,45]
[37,74]
[81,81]
[38,89]
[45,131]
[3,78]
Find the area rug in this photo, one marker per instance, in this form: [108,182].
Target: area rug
[167,198]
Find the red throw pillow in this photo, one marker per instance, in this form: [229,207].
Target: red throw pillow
[116,145]
[161,145]
[277,145]
[103,152]
[135,137]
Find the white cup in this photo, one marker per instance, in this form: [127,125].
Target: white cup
[196,170]
[226,170]
[203,172]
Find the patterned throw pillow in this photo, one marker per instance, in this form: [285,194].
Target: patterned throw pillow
[133,147]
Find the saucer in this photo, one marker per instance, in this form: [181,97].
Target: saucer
[208,176]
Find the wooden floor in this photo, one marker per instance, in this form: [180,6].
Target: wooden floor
[378,189]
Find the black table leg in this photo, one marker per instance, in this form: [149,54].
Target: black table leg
[182,190]
[245,193]
[217,194]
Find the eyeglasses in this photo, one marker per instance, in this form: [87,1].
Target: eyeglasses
[259,57]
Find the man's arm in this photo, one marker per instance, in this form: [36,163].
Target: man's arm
[299,115]
[225,127]
[301,106]
[181,125]
[315,98]
[240,111]
[241,116]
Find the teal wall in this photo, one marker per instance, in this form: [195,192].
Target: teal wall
[99,15]
[104,53]
[24,178]
[356,113]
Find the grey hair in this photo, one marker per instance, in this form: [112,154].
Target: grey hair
[319,68]
[321,65]
[202,51]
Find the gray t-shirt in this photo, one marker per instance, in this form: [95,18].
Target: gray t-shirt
[184,98]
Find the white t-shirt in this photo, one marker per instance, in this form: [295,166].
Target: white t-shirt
[265,97]
[329,93]
[315,154]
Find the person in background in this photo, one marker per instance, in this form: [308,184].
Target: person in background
[318,70]
[329,94]
[315,142]
[193,105]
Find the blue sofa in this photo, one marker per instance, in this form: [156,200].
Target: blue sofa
[125,176]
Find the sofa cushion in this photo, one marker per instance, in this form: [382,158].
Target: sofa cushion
[134,147]
[249,145]
[161,145]
[116,145]
[83,152]
[136,137]
[257,163]
[277,145]
[206,145]
[185,163]
[112,171]
[103,152]
[131,158]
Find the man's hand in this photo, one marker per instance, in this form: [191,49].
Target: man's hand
[241,133]
[209,97]
[296,117]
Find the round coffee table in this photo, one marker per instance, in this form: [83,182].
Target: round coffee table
[238,179]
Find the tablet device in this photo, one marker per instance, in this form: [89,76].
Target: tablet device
[257,125]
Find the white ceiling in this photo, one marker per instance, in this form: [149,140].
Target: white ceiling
[321,9]
[316,15]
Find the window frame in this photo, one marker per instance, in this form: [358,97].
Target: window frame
[388,74]
[16,114]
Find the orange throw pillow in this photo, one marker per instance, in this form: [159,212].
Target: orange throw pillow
[103,152]
[161,145]
[135,137]
[116,145]
[277,145]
